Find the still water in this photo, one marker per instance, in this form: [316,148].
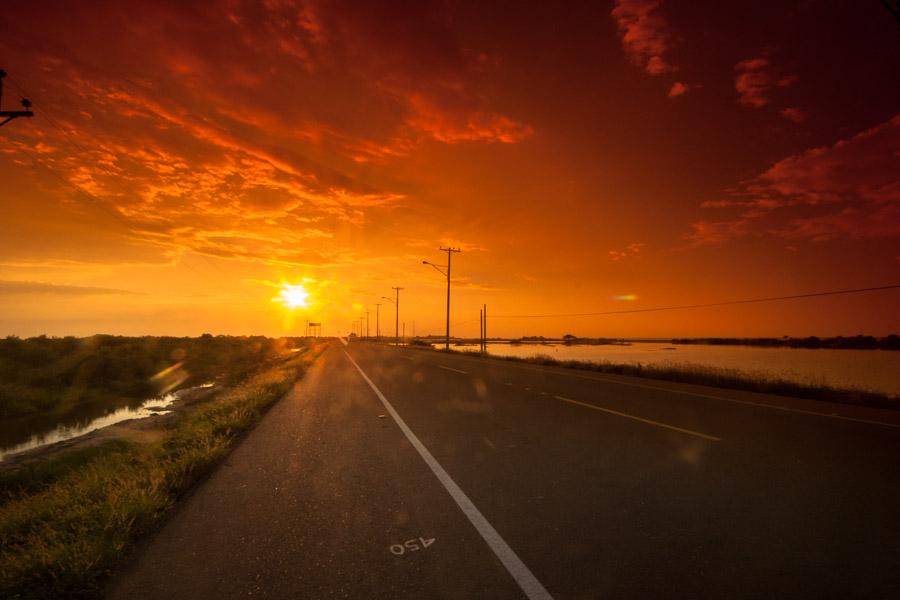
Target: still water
[877,370]
[18,435]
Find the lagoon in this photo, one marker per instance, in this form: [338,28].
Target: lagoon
[874,370]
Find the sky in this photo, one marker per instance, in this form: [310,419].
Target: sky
[187,159]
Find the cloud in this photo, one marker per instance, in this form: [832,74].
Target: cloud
[629,250]
[754,80]
[8,288]
[645,34]
[678,89]
[850,189]
[248,133]
[471,127]
[794,114]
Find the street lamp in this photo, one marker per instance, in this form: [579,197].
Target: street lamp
[396,304]
[449,252]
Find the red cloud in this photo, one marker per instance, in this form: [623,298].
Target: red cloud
[445,126]
[678,88]
[645,34]
[850,189]
[243,131]
[629,250]
[754,81]
[794,114]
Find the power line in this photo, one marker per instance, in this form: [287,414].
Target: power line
[705,305]
[13,114]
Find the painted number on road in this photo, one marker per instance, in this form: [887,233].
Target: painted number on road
[412,545]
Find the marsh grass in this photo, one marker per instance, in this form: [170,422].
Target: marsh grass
[65,525]
[717,377]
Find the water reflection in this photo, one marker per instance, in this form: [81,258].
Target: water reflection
[18,435]
[877,370]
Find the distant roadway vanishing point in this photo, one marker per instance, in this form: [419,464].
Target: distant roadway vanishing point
[392,472]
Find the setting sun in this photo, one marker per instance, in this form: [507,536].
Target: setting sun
[293,296]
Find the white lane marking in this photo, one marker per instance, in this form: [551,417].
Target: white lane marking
[532,588]
[343,341]
[708,396]
[747,402]
[451,369]
[641,419]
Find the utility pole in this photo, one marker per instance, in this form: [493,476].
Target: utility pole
[484,330]
[377,324]
[481,331]
[361,326]
[449,252]
[12,114]
[367,324]
[397,314]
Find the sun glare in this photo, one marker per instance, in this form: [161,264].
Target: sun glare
[293,296]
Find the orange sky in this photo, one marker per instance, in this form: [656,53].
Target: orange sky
[186,158]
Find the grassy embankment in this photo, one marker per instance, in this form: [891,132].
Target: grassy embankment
[64,525]
[716,377]
[54,375]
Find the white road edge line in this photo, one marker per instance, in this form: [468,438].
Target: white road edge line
[533,588]
[711,438]
[451,369]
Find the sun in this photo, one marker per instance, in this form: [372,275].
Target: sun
[293,296]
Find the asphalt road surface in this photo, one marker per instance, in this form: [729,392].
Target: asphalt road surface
[402,473]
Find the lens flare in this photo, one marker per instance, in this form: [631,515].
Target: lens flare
[625,297]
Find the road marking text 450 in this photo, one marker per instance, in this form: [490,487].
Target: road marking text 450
[411,546]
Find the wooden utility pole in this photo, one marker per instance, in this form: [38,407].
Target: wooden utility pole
[449,252]
[484,330]
[397,314]
[377,319]
[481,331]
[13,114]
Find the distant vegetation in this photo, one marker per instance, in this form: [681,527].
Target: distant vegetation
[859,342]
[43,374]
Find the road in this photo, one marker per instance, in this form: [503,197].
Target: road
[402,473]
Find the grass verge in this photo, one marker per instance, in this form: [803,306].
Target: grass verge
[65,525]
[716,377]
